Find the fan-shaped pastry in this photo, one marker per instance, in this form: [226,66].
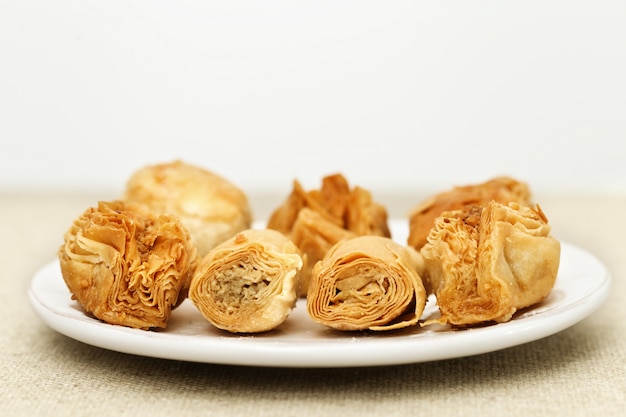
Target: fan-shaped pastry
[317,219]
[247,284]
[500,189]
[315,236]
[212,208]
[367,283]
[126,266]
[486,262]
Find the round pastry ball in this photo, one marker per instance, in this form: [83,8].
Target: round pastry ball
[127,266]
[209,206]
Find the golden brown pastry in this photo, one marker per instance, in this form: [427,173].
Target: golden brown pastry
[212,208]
[484,263]
[315,236]
[247,284]
[126,266]
[367,283]
[317,219]
[500,189]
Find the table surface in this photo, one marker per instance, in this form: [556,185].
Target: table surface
[578,371]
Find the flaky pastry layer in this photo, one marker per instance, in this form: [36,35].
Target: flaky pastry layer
[247,284]
[484,263]
[212,208]
[367,283]
[127,266]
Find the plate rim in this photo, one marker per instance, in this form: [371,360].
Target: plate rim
[348,351]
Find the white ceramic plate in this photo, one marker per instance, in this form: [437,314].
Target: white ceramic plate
[582,286]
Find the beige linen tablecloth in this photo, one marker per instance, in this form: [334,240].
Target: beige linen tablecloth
[580,371]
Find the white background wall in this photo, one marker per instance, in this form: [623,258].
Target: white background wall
[394,94]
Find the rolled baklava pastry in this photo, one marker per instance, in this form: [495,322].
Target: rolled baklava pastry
[501,189]
[367,283]
[126,266]
[317,219]
[212,208]
[484,263]
[247,284]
